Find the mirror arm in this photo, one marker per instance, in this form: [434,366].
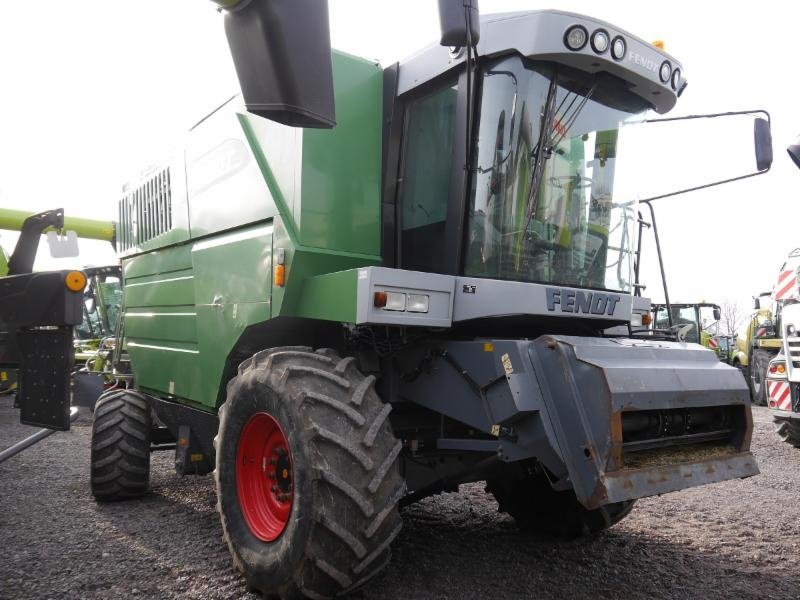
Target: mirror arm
[707,185]
[709,116]
[24,254]
[660,260]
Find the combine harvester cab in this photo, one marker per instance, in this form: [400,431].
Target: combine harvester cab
[340,319]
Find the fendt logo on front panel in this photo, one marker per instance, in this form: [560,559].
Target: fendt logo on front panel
[576,301]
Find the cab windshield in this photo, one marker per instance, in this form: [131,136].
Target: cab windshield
[542,206]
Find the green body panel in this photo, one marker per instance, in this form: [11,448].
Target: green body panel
[340,204]
[176,259]
[254,186]
[160,326]
[233,277]
[186,307]
[331,297]
[303,263]
[173,236]
[224,185]
[175,290]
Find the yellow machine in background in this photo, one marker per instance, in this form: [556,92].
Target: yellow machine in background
[759,339]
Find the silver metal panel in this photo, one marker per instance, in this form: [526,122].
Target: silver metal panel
[455,299]
[641,305]
[477,298]
[784,414]
[438,287]
[539,35]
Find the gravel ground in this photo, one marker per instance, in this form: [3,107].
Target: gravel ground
[738,539]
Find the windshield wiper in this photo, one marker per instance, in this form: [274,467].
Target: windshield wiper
[548,141]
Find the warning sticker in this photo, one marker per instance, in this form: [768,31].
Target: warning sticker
[507,366]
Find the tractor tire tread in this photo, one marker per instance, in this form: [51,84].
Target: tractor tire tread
[788,430]
[120,446]
[355,513]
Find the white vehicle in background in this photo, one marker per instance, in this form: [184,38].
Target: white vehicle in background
[783,374]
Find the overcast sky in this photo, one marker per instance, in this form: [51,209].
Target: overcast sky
[94,91]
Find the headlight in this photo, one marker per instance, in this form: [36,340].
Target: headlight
[401,302]
[575,38]
[600,41]
[636,320]
[390,300]
[418,303]
[665,71]
[676,79]
[618,48]
[790,329]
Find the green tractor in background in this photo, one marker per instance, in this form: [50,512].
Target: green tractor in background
[358,286]
[100,360]
[692,323]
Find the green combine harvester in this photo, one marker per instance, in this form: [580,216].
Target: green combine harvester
[358,286]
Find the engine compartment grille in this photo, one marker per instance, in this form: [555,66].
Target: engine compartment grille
[145,210]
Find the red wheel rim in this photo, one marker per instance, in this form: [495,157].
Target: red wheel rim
[264,477]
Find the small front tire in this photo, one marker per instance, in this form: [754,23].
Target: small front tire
[120,447]
[538,508]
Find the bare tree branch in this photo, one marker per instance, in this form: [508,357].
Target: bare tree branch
[732,317]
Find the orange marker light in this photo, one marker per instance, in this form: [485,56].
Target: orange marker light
[647,318]
[380,299]
[659,44]
[279,275]
[75,281]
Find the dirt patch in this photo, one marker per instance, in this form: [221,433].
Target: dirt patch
[738,539]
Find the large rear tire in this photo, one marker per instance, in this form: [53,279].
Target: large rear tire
[538,508]
[758,377]
[120,449]
[789,430]
[311,511]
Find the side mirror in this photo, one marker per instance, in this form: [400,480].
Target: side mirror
[763,142]
[794,151]
[460,22]
[90,304]
[282,55]
[717,313]
[757,303]
[649,148]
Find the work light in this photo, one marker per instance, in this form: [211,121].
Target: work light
[600,41]
[576,37]
[676,79]
[618,48]
[665,71]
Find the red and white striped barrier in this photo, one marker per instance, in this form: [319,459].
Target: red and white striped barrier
[787,285]
[780,395]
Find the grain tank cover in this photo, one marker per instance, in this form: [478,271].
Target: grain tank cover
[282,53]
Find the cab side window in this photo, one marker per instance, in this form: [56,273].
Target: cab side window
[425,187]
